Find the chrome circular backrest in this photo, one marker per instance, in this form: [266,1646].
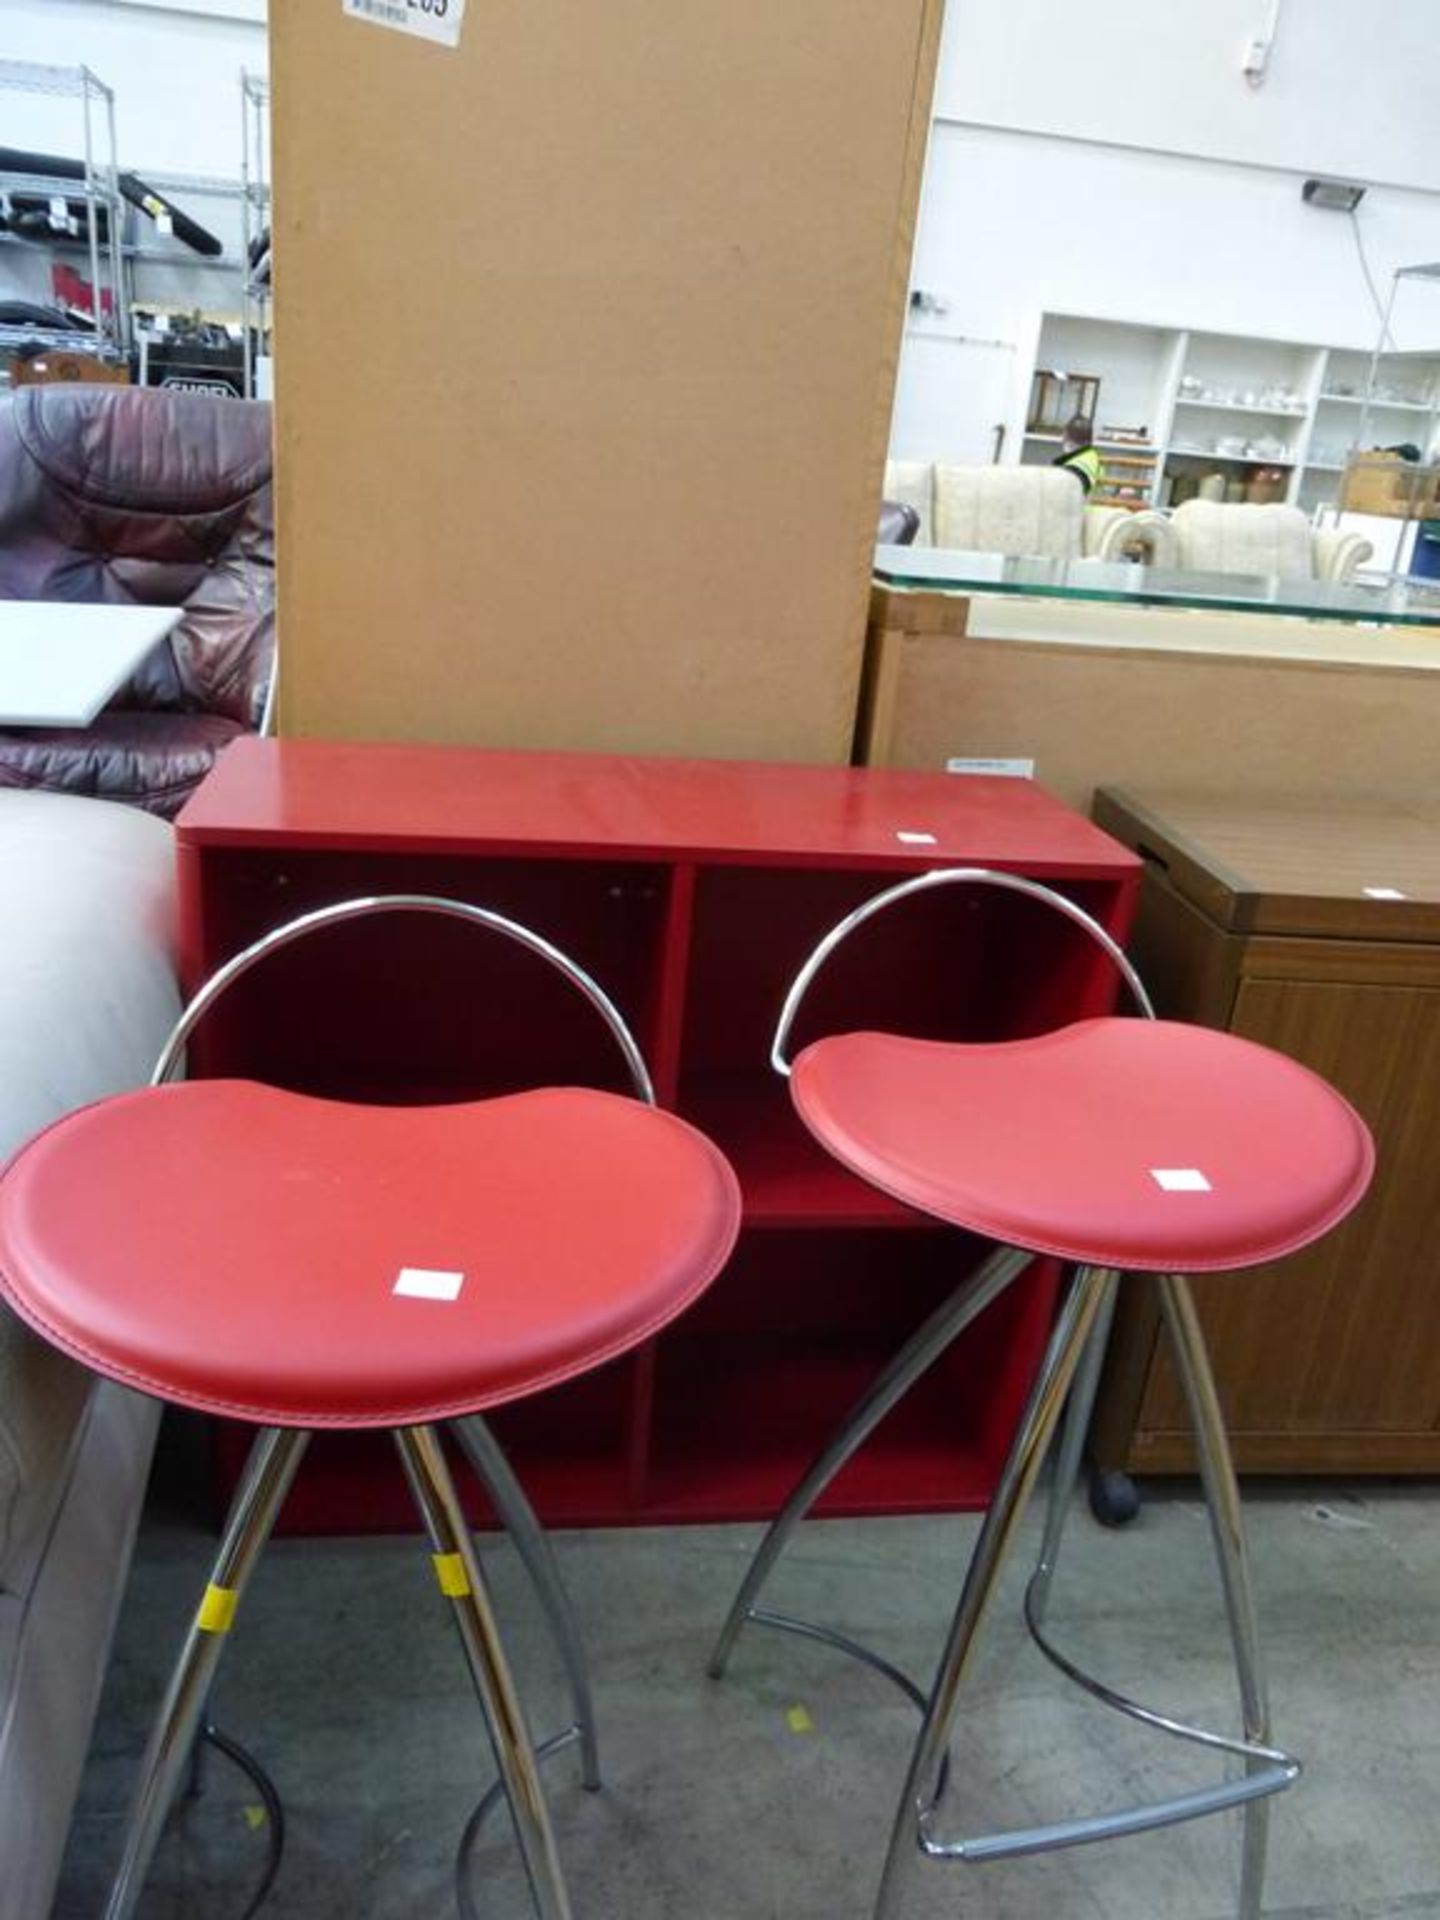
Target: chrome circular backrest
[359,909]
[922,883]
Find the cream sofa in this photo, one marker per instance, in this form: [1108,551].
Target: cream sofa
[87,996]
[1209,536]
[1037,511]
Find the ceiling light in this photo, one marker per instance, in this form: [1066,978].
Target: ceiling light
[1341,195]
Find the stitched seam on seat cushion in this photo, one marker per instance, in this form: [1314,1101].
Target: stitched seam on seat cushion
[1122,1257]
[393,1416]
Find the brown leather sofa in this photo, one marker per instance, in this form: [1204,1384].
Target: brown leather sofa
[143,495]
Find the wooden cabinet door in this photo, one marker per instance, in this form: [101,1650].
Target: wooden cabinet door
[1330,1358]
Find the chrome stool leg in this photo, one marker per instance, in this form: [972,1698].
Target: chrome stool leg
[1066,1472]
[920,1351]
[1087,1299]
[271,1467]
[1222,1501]
[1267,1769]
[460,1578]
[537,1555]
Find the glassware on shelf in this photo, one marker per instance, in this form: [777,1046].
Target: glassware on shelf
[1266,485]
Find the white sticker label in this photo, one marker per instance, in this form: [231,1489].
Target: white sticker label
[915,838]
[438,20]
[1180,1179]
[1007,769]
[1382,893]
[428,1283]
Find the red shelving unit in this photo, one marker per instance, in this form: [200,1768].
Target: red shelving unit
[692,890]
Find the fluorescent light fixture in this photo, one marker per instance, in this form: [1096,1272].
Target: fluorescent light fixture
[1340,195]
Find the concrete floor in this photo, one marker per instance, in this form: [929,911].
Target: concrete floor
[722,1801]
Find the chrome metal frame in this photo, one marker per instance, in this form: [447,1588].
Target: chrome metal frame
[364,908]
[537,1556]
[183,1718]
[435,1499]
[926,883]
[213,1739]
[273,1461]
[1070,1372]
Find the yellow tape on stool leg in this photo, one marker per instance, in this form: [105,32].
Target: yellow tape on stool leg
[450,1572]
[217,1609]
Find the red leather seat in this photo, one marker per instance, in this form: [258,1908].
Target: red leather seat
[240,1249]
[1115,1143]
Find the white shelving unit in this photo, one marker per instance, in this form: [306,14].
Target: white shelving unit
[1402,407]
[1224,407]
[1136,367]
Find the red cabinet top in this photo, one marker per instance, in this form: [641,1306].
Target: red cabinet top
[386,797]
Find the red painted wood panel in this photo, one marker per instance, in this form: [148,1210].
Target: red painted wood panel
[311,793]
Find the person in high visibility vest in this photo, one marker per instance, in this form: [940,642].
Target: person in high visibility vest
[1078,454]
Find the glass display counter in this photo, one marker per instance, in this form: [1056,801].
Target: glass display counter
[1087,673]
[1380,600]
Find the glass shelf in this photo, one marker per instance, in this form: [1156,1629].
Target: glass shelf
[1377,405]
[1234,459]
[1239,406]
[942,570]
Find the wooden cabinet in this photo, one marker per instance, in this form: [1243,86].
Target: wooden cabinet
[1318,933]
[692,891]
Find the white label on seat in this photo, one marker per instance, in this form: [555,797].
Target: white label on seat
[428,1283]
[1180,1179]
[1382,893]
[913,837]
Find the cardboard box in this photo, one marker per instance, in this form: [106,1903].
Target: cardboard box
[1384,484]
[586,332]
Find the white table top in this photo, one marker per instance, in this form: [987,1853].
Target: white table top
[60,662]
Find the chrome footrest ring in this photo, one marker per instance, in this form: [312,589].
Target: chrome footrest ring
[488,1801]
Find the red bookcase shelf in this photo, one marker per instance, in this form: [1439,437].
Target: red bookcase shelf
[692,891]
[786,1180]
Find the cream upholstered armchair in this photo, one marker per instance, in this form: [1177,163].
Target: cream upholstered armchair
[1016,510]
[1208,536]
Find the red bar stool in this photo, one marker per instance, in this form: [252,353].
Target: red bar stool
[1115,1145]
[302,1263]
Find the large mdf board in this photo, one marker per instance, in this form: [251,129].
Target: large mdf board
[586,337]
[1338,731]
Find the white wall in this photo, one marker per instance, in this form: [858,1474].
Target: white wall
[1033,200]
[175,73]
[1352,86]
